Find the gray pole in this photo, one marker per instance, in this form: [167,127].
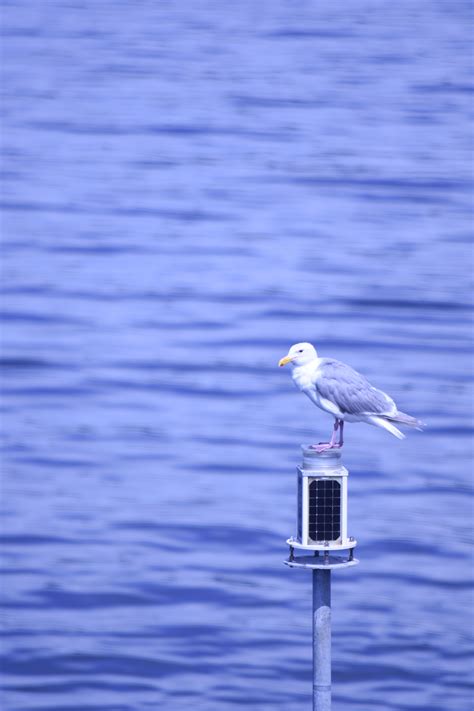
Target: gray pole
[321,640]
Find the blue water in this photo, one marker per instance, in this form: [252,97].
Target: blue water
[188,189]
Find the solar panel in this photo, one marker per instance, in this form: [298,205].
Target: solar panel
[324,510]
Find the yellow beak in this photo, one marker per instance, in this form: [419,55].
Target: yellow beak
[285,360]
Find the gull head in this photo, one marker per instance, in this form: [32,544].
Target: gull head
[299,354]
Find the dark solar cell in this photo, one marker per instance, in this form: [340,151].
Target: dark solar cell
[324,510]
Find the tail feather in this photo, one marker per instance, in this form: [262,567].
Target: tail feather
[404,419]
[381,421]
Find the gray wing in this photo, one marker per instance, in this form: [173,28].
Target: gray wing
[350,391]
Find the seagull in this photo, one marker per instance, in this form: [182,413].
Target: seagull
[344,393]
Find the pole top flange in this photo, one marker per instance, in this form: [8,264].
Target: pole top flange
[309,451]
[313,460]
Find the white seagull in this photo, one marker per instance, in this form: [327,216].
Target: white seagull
[343,392]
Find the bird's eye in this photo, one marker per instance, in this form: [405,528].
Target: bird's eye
[300,351]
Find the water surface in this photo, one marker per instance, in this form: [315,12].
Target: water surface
[187,190]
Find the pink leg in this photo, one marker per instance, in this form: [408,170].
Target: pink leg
[323,446]
[341,433]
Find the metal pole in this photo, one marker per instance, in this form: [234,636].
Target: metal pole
[321,640]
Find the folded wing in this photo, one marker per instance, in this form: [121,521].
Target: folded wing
[350,391]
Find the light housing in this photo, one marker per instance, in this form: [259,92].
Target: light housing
[322,502]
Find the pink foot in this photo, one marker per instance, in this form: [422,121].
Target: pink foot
[324,446]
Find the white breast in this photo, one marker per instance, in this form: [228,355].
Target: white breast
[304,378]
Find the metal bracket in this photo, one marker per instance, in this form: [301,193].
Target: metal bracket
[328,562]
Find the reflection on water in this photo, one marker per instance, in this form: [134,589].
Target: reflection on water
[186,192]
